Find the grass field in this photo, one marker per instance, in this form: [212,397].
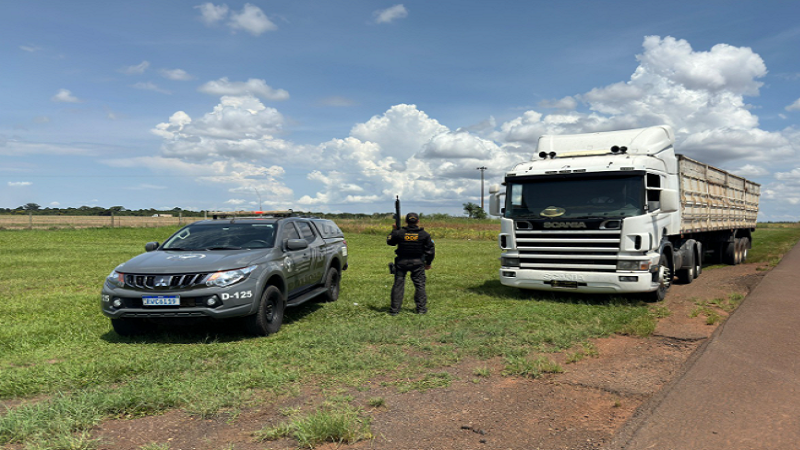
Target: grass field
[64,370]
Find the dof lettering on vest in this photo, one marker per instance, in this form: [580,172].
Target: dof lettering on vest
[411,237]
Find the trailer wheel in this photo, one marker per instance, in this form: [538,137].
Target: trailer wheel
[686,276]
[664,277]
[743,243]
[698,260]
[731,252]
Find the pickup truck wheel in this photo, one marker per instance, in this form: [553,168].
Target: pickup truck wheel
[332,283]
[664,278]
[128,327]
[269,317]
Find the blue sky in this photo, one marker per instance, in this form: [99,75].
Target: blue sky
[338,106]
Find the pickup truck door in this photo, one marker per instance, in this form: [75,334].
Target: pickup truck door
[297,263]
[316,247]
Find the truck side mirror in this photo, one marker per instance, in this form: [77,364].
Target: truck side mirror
[494,200]
[670,202]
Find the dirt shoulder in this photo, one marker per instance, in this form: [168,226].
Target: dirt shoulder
[578,409]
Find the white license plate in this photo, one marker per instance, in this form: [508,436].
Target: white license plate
[161,300]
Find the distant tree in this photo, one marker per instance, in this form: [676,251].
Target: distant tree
[474,211]
[31,207]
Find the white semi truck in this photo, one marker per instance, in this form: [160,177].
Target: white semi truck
[618,212]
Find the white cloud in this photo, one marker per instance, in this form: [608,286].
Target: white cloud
[566,104]
[794,106]
[238,127]
[30,48]
[389,15]
[150,86]
[41,119]
[175,74]
[135,70]
[250,19]
[16,184]
[65,96]
[211,14]
[255,87]
[750,171]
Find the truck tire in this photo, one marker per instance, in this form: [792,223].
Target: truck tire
[664,275]
[128,327]
[687,275]
[332,285]
[730,252]
[269,317]
[743,244]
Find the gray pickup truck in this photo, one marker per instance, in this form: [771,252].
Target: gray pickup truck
[250,268]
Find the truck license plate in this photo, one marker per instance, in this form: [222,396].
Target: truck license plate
[161,300]
[565,284]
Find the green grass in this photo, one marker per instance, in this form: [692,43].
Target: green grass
[64,370]
[338,425]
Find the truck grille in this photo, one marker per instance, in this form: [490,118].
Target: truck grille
[164,282]
[569,250]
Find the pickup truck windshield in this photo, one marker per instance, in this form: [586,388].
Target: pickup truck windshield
[222,236]
[575,198]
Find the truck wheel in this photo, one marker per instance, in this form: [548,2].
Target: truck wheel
[742,249]
[332,284]
[664,278]
[128,327]
[269,317]
[686,276]
[731,252]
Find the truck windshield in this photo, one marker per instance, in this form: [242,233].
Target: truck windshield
[575,198]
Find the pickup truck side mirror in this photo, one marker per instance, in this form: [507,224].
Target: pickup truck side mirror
[150,246]
[296,244]
[494,200]
[670,202]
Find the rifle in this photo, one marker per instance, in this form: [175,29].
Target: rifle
[396,224]
[397,211]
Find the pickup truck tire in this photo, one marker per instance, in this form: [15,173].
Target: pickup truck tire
[332,285]
[665,280]
[269,317]
[128,327]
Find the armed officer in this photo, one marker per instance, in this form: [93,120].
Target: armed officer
[415,252]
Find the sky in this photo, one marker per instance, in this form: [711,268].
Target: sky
[340,105]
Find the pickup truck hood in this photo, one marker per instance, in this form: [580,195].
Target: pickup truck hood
[177,262]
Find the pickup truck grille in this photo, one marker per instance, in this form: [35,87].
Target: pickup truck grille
[164,282]
[569,250]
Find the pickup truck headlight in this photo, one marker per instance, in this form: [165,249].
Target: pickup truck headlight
[116,279]
[633,265]
[228,277]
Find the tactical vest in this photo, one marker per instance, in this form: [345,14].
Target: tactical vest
[411,244]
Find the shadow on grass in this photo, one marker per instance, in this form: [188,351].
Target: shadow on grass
[495,289]
[204,330]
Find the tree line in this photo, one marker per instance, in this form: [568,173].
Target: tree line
[472,210]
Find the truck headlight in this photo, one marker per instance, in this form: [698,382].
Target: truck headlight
[509,262]
[116,279]
[633,265]
[228,277]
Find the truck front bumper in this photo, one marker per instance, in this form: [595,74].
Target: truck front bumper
[584,282]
